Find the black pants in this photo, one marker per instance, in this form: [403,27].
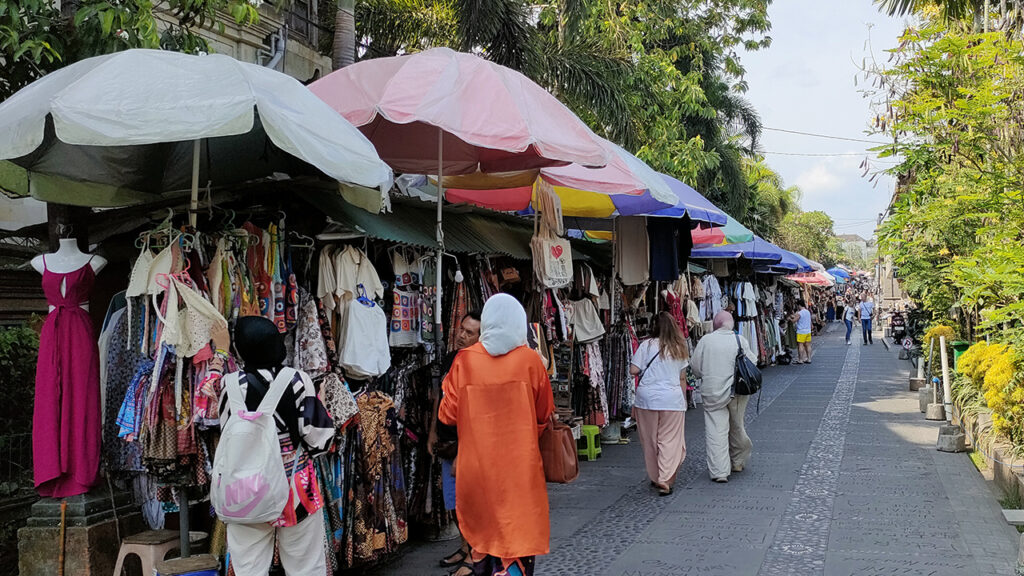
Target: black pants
[865,326]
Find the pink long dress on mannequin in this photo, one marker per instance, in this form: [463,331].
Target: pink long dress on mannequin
[66,416]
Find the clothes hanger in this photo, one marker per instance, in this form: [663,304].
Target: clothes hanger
[361,297]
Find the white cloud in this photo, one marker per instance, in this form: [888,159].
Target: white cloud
[813,91]
[817,180]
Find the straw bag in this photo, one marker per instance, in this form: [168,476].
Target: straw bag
[558,451]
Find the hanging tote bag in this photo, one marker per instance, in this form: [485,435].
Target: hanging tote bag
[552,255]
[249,484]
[747,379]
[558,451]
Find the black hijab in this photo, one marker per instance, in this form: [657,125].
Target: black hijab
[259,344]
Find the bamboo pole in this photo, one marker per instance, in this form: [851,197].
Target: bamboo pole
[63,526]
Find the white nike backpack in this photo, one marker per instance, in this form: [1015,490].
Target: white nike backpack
[249,484]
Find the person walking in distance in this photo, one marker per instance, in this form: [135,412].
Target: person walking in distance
[660,406]
[498,395]
[802,319]
[443,442]
[866,310]
[725,437]
[849,313]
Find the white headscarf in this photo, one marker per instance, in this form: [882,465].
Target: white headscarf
[502,325]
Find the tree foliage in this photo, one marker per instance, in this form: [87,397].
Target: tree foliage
[36,37]
[770,199]
[811,235]
[954,105]
[956,113]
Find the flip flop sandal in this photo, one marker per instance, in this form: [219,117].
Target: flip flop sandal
[459,558]
[462,565]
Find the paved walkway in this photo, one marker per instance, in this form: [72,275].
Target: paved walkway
[845,480]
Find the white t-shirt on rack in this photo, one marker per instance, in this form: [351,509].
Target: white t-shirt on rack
[660,388]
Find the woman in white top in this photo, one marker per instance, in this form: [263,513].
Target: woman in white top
[660,406]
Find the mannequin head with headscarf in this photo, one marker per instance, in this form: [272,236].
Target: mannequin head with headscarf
[502,325]
[259,344]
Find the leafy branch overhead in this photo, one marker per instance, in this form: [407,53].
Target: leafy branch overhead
[36,37]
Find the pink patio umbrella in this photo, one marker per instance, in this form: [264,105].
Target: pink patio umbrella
[460,114]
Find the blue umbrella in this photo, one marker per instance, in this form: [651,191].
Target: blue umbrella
[791,263]
[758,250]
[690,202]
[839,273]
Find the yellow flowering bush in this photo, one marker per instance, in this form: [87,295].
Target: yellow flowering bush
[935,332]
[932,335]
[1004,391]
[992,370]
[970,362]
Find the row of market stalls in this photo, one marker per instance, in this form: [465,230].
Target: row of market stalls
[218,189]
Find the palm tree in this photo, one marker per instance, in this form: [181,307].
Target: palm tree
[770,198]
[951,9]
[343,51]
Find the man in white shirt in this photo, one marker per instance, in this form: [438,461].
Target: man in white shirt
[866,310]
[714,361]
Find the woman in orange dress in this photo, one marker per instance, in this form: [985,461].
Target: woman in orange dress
[498,396]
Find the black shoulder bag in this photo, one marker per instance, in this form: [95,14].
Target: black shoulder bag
[747,379]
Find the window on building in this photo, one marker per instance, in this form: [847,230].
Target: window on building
[303,20]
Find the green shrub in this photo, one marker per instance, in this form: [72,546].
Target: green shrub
[19,349]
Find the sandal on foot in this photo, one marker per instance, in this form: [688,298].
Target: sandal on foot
[458,571]
[457,558]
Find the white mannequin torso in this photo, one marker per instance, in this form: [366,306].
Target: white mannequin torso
[67,258]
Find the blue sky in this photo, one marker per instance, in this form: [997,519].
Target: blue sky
[805,82]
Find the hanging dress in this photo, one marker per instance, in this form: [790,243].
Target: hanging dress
[66,416]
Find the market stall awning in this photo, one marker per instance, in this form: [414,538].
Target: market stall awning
[731,233]
[839,273]
[816,278]
[459,109]
[467,231]
[757,250]
[791,263]
[692,203]
[625,187]
[123,129]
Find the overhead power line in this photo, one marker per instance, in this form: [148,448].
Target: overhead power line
[827,136]
[820,154]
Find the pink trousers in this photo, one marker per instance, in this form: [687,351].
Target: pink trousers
[664,444]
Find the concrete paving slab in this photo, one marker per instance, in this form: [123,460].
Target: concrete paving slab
[844,481]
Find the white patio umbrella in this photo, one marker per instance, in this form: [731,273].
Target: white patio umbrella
[126,127]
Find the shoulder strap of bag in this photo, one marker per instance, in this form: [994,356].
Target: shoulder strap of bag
[277,387]
[649,362]
[235,399]
[739,346]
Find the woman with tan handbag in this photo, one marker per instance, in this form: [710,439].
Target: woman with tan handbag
[499,397]
[660,406]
